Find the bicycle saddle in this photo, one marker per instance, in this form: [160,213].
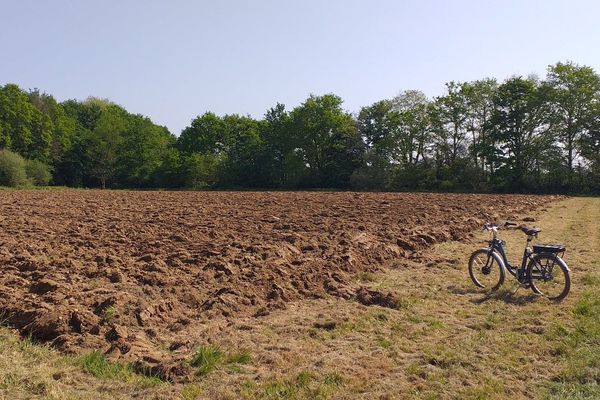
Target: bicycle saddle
[530,231]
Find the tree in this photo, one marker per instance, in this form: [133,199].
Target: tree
[206,135]
[200,171]
[574,95]
[324,129]
[169,174]
[379,126]
[245,155]
[480,98]
[86,113]
[519,128]
[63,126]
[141,151]
[103,143]
[284,164]
[414,133]
[15,115]
[450,115]
[23,128]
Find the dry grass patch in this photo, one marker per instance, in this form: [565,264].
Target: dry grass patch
[33,371]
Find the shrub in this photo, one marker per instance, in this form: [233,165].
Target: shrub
[12,169]
[38,172]
[200,171]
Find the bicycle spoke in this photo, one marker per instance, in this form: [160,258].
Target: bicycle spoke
[549,278]
[485,271]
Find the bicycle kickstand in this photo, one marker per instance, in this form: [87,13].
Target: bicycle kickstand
[519,285]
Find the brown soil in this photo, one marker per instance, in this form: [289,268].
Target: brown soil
[147,276]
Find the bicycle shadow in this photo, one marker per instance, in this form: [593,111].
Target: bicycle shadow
[507,296]
[462,290]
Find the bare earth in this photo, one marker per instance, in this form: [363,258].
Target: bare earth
[146,277]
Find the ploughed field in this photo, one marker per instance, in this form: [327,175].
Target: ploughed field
[148,276]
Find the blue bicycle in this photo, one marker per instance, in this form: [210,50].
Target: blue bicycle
[542,269]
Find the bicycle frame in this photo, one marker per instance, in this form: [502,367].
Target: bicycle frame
[518,272]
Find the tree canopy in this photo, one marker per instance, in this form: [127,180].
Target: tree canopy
[522,134]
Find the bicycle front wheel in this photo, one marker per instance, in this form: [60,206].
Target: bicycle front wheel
[549,276]
[486,269]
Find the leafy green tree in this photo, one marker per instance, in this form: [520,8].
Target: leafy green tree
[342,158]
[15,114]
[245,161]
[72,168]
[86,113]
[520,129]
[284,164]
[41,134]
[379,126]
[414,135]
[169,174]
[325,131]
[200,171]
[480,98]
[103,142]
[590,149]
[141,151]
[24,129]
[63,126]
[207,134]
[574,95]
[450,115]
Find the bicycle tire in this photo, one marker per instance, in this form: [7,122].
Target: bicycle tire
[532,275]
[475,269]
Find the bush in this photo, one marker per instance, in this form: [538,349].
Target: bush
[38,173]
[12,169]
[200,171]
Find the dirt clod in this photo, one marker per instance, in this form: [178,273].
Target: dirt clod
[370,297]
[44,286]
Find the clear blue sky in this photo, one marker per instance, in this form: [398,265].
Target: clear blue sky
[173,60]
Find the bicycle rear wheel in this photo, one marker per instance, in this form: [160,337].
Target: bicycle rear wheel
[486,269]
[549,276]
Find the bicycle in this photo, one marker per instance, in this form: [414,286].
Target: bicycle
[542,268]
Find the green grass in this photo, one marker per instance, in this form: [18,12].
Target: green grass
[366,276]
[96,364]
[190,392]
[579,376]
[207,359]
[242,357]
[590,280]
[108,314]
[305,385]
[575,391]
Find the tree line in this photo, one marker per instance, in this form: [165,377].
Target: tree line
[522,134]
